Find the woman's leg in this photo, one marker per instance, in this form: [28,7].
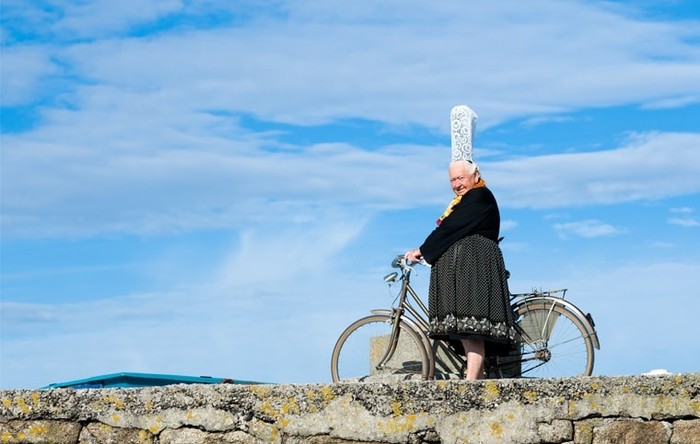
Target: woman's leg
[474,349]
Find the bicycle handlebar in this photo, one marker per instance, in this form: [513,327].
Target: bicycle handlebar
[400,262]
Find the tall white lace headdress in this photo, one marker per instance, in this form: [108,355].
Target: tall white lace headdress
[463,124]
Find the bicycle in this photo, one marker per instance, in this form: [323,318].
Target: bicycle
[554,339]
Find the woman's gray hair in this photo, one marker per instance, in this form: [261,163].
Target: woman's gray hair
[469,166]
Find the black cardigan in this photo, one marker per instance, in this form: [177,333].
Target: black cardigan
[476,213]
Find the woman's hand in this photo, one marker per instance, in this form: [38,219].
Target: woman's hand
[414,255]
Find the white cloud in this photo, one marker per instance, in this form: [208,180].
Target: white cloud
[593,57]
[685,217]
[145,136]
[672,102]
[508,224]
[139,187]
[283,293]
[640,170]
[684,222]
[79,188]
[275,251]
[682,210]
[238,68]
[586,228]
[24,70]
[284,299]
[103,17]
[545,119]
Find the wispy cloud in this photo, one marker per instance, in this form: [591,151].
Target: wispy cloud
[616,175]
[23,70]
[684,222]
[586,228]
[237,67]
[280,296]
[143,133]
[507,225]
[684,217]
[139,187]
[546,119]
[271,253]
[673,102]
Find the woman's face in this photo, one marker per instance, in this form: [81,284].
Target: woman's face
[461,178]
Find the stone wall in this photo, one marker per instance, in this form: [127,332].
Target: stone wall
[641,409]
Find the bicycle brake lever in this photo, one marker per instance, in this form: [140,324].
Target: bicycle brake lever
[420,262]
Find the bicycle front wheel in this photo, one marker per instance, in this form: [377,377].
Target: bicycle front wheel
[365,351]
[554,341]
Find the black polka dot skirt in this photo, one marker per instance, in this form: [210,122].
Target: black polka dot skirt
[468,295]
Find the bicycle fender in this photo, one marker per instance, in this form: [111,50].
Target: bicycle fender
[586,320]
[381,311]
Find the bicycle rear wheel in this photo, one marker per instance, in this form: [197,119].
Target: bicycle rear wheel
[554,341]
[361,347]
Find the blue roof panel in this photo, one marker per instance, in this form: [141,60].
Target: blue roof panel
[129,379]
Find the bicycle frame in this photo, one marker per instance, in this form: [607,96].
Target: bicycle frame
[417,322]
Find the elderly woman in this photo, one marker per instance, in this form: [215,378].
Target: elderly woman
[468,296]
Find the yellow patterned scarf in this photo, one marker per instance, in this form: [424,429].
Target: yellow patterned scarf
[450,208]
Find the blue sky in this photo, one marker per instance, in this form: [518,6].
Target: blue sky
[217,187]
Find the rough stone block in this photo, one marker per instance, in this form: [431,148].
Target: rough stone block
[557,431]
[632,432]
[406,353]
[98,433]
[40,431]
[187,435]
[686,432]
